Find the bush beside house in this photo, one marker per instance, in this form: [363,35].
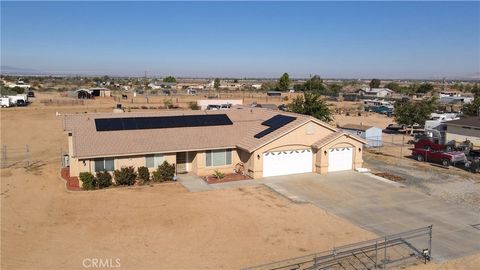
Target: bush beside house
[143,174]
[164,172]
[88,181]
[104,179]
[125,176]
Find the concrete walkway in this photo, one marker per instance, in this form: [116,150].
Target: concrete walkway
[193,183]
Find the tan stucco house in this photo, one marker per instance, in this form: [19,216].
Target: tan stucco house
[266,142]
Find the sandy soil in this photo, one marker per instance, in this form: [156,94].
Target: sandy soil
[43,226]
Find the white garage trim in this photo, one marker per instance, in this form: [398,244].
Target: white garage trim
[287,162]
[340,159]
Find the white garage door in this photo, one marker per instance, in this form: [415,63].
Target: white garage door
[287,162]
[340,159]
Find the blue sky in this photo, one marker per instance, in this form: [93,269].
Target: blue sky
[244,39]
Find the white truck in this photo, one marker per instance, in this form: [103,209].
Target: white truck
[4,102]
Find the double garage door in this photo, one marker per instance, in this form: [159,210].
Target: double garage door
[301,161]
[287,162]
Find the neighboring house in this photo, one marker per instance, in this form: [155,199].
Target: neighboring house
[375,92]
[454,97]
[20,84]
[467,128]
[266,142]
[373,135]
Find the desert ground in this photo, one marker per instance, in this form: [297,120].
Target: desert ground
[44,226]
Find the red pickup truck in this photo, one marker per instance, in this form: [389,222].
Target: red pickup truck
[445,158]
[427,144]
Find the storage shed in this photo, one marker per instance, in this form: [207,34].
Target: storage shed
[373,135]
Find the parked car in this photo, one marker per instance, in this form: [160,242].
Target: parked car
[445,158]
[430,144]
[30,94]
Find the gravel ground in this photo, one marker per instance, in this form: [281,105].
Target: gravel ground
[452,185]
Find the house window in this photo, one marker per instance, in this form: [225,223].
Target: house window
[218,157]
[153,161]
[104,164]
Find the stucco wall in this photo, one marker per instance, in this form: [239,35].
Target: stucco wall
[321,163]
[203,170]
[296,139]
[460,134]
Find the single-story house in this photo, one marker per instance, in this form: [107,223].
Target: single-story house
[467,128]
[101,92]
[375,92]
[266,142]
[373,135]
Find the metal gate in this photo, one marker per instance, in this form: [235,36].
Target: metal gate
[389,251]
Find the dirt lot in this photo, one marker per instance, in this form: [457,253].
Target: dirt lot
[43,226]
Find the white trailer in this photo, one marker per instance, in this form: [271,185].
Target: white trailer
[14,99]
[4,102]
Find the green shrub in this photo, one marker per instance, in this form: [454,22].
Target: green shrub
[164,172]
[104,179]
[88,181]
[144,174]
[193,105]
[218,174]
[125,176]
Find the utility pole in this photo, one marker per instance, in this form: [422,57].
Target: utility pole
[310,82]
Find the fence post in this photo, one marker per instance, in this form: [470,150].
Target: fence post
[376,254]
[430,241]
[385,254]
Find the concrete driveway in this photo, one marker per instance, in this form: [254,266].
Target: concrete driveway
[385,208]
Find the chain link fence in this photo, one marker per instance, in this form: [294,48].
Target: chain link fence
[11,156]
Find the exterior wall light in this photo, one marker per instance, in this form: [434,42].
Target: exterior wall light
[359,149]
[258,156]
[325,152]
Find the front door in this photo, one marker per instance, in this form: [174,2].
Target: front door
[182,162]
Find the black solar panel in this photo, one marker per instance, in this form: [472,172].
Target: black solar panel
[274,123]
[132,123]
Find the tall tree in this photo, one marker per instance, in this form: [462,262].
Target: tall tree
[472,108]
[410,113]
[311,104]
[393,86]
[169,79]
[216,83]
[424,88]
[375,83]
[284,82]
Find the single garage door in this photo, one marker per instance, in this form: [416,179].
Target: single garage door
[287,162]
[340,159]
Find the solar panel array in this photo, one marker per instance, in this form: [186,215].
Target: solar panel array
[157,122]
[274,123]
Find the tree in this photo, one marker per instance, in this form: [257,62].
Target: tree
[311,104]
[169,79]
[284,82]
[424,88]
[216,83]
[410,113]
[18,90]
[235,81]
[375,83]
[193,105]
[393,86]
[315,84]
[472,108]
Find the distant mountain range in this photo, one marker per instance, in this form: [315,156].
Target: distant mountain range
[9,70]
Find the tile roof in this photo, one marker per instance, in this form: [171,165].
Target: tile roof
[88,143]
[333,136]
